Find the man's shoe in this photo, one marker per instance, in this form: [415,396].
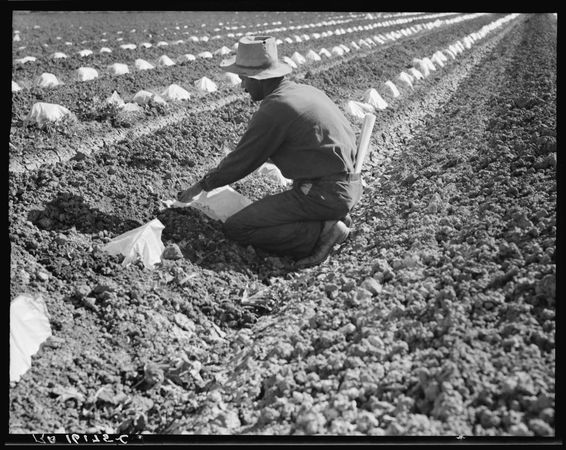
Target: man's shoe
[333,233]
[347,219]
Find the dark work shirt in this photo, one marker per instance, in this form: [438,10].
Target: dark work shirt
[299,129]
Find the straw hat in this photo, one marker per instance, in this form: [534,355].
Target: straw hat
[257,58]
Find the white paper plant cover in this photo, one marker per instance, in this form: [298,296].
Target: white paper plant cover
[115,99]
[429,64]
[175,92]
[221,203]
[15,87]
[206,85]
[231,78]
[58,55]
[372,97]
[451,53]
[345,48]
[325,52]
[164,60]
[416,74]
[131,107]
[204,55]
[162,44]
[105,50]
[186,58]
[143,242]
[338,51]
[84,53]
[143,97]
[46,112]
[272,172]
[128,46]
[290,62]
[422,67]
[406,79]
[17,38]
[436,60]
[47,80]
[86,73]
[298,58]
[441,56]
[118,69]
[223,51]
[29,327]
[142,64]
[358,109]
[146,44]
[356,46]
[392,88]
[312,56]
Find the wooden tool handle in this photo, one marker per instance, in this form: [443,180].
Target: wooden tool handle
[363,146]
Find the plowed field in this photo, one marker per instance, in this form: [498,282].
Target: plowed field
[436,316]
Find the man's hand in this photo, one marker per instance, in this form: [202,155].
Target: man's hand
[187,195]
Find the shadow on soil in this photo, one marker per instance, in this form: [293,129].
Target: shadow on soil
[68,210]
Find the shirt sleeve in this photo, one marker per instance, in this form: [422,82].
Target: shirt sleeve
[264,135]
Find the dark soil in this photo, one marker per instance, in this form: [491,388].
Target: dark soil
[436,316]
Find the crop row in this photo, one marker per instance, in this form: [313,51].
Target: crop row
[209,66]
[28,140]
[157,34]
[59,61]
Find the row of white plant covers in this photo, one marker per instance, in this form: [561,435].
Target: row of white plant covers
[225,50]
[48,80]
[422,68]
[17,37]
[42,112]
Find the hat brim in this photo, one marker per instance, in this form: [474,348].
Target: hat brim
[276,70]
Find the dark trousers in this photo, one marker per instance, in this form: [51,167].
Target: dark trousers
[289,223]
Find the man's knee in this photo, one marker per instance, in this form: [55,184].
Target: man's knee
[236,229]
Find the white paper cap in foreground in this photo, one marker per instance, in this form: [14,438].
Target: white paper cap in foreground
[115,99]
[29,327]
[218,204]
[47,80]
[206,85]
[231,78]
[143,242]
[86,74]
[392,88]
[175,92]
[372,97]
[142,64]
[272,172]
[298,58]
[164,61]
[358,109]
[118,69]
[47,112]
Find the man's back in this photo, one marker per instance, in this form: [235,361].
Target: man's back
[316,126]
